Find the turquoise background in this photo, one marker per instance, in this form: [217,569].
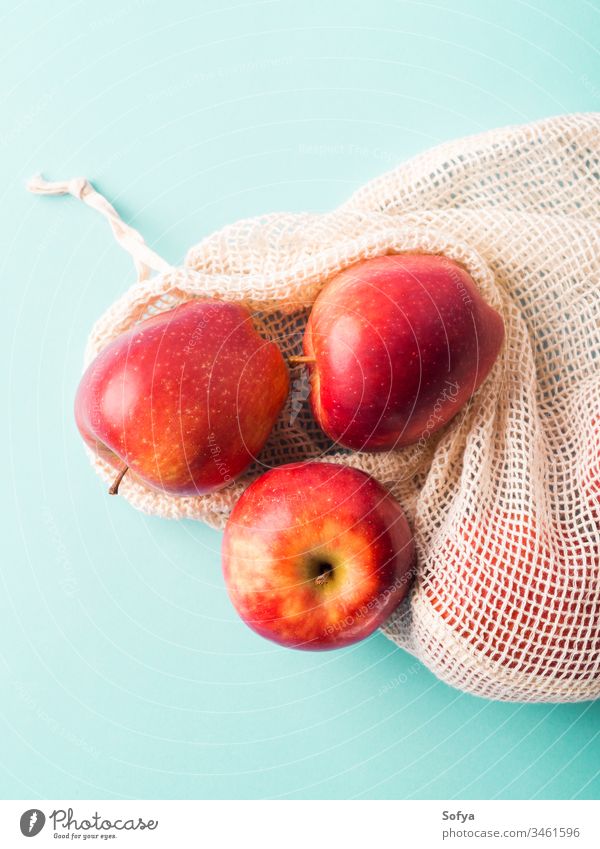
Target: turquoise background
[125,671]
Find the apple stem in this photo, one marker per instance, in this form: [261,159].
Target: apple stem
[296,361]
[325,573]
[114,488]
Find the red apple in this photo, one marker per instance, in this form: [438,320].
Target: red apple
[185,400]
[522,595]
[396,346]
[317,555]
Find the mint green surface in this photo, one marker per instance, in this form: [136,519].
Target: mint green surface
[124,670]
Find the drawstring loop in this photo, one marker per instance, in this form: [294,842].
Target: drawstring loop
[144,258]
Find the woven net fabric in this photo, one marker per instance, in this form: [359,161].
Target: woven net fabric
[505,501]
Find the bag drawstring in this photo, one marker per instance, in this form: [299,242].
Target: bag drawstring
[144,258]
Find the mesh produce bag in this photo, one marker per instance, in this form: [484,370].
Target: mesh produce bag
[505,500]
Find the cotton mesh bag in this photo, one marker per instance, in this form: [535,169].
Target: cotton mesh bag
[505,500]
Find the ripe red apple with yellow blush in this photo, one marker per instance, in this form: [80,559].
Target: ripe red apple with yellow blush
[396,345]
[317,555]
[184,400]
